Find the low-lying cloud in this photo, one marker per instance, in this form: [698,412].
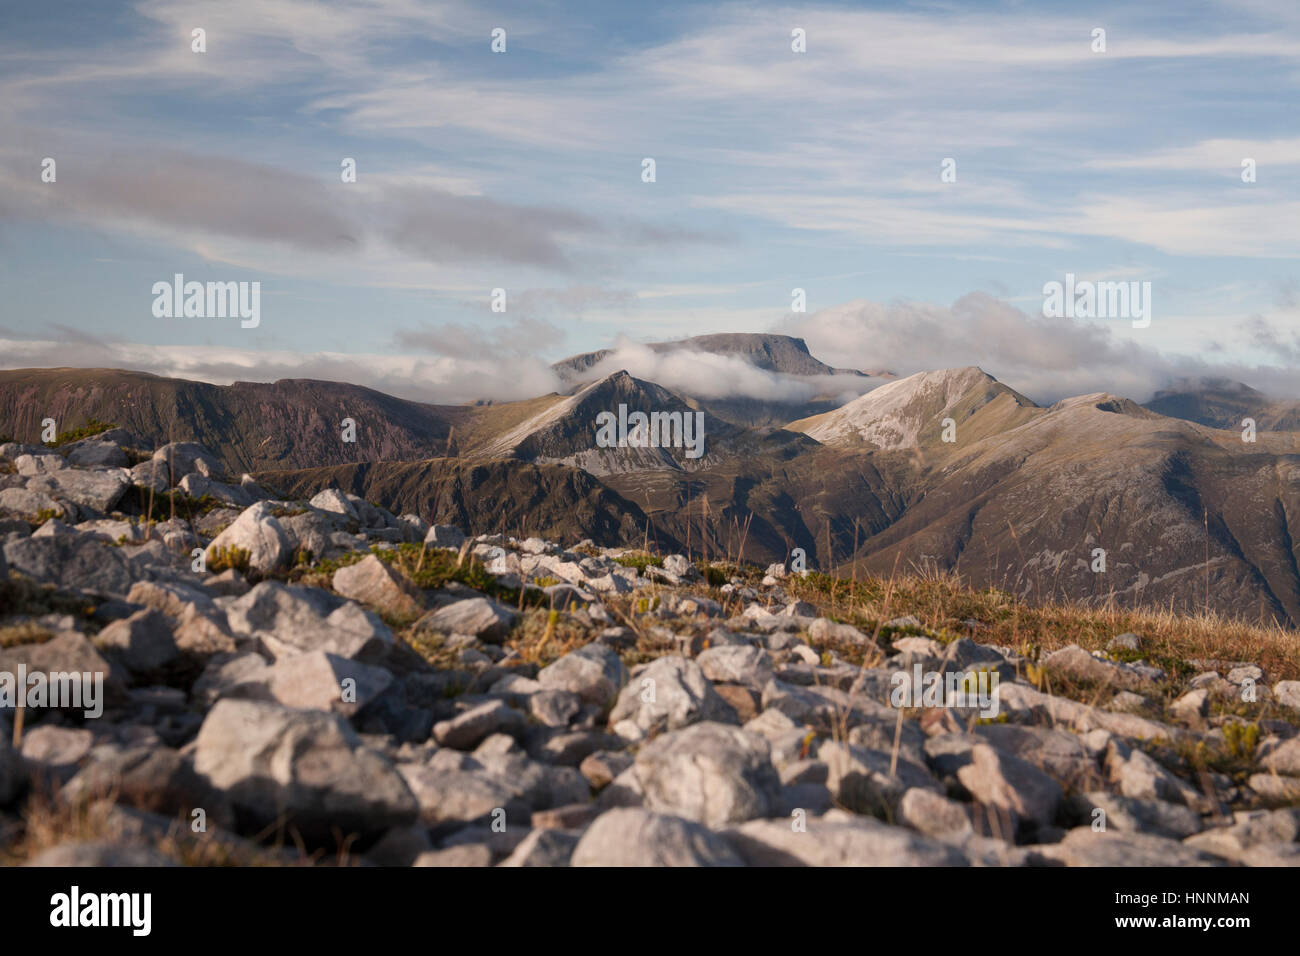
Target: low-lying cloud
[1046,359]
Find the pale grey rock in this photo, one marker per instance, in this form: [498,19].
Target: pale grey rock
[97,454]
[544,847]
[1084,846]
[861,779]
[258,532]
[839,839]
[482,617]
[1007,783]
[319,681]
[97,490]
[668,694]
[594,672]
[289,619]
[1129,815]
[468,728]
[1287,693]
[631,836]
[737,664]
[142,642]
[709,772]
[304,767]
[376,583]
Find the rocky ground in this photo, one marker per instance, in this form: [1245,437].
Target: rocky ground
[323,682]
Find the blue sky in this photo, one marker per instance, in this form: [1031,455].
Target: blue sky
[775,170]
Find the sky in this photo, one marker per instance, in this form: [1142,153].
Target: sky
[775,170]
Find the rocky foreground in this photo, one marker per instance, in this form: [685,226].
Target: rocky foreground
[324,682]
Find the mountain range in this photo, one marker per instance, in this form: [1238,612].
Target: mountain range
[1093,498]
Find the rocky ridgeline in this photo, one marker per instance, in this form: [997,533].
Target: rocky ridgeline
[248,718]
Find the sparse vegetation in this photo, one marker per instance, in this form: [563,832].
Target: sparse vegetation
[224,558]
[92,427]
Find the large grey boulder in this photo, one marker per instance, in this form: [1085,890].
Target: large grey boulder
[30,503]
[290,619]
[374,582]
[82,562]
[1084,846]
[303,768]
[594,672]
[143,642]
[482,617]
[737,664]
[668,694]
[336,503]
[861,780]
[631,836]
[320,681]
[450,796]
[839,839]
[97,454]
[709,772]
[99,490]
[257,532]
[1009,785]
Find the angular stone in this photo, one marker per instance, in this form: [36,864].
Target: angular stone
[602,767]
[319,681]
[709,772]
[462,796]
[1075,662]
[98,490]
[670,693]
[25,501]
[1129,815]
[634,837]
[1287,693]
[257,532]
[304,767]
[468,728]
[290,619]
[861,781]
[737,664]
[1084,846]
[1007,783]
[97,454]
[170,597]
[143,642]
[335,502]
[1283,758]
[488,620]
[934,814]
[544,848]
[373,582]
[76,562]
[839,839]
[1136,775]
[594,672]
[69,653]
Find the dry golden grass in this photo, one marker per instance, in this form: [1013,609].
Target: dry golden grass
[943,604]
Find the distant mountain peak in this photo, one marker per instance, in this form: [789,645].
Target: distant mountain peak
[896,414]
